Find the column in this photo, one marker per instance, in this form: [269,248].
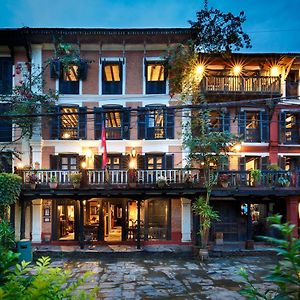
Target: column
[273,148]
[124,227]
[36,220]
[81,225]
[138,235]
[22,222]
[186,220]
[292,212]
[101,222]
[36,147]
[283,84]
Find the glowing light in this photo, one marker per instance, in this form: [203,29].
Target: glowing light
[83,165]
[275,71]
[237,147]
[66,135]
[132,164]
[200,70]
[88,153]
[237,69]
[133,152]
[20,166]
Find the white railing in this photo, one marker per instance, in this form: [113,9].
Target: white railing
[44,176]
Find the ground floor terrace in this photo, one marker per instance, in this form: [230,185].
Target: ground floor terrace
[160,216]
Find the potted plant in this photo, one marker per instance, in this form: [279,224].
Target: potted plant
[188,179]
[161,181]
[283,181]
[53,182]
[76,180]
[255,175]
[207,214]
[224,180]
[32,180]
[132,178]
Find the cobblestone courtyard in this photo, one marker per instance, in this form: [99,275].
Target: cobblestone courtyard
[167,277]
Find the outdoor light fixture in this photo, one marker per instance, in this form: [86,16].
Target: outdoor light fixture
[275,71]
[200,70]
[132,164]
[20,166]
[237,147]
[237,69]
[88,153]
[66,135]
[83,165]
[133,152]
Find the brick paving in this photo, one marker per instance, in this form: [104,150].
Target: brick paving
[167,276]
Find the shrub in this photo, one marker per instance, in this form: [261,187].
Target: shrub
[7,236]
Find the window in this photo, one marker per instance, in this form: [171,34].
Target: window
[289,128]
[151,161]
[156,123]
[5,162]
[254,126]
[155,77]
[5,75]
[219,121]
[69,81]
[111,78]
[114,162]
[116,120]
[154,162]
[68,162]
[5,125]
[69,123]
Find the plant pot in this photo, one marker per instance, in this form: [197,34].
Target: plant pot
[76,185]
[224,184]
[203,254]
[161,184]
[33,186]
[53,185]
[132,184]
[256,183]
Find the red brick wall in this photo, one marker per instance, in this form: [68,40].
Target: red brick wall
[134,70]
[91,84]
[176,219]
[49,83]
[46,151]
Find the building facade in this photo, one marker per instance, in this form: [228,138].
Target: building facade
[144,194]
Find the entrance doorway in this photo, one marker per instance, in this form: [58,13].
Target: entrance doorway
[66,222]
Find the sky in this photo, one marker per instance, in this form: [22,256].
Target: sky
[273,25]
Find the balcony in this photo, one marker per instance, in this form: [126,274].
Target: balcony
[238,84]
[175,182]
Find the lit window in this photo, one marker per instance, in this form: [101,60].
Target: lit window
[71,74]
[111,78]
[112,72]
[155,78]
[69,123]
[156,123]
[155,72]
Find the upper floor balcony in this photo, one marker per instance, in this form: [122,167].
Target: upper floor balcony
[237,84]
[160,182]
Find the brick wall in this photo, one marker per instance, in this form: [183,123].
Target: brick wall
[176,219]
[46,151]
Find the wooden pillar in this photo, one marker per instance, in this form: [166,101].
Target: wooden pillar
[22,223]
[196,227]
[81,225]
[124,227]
[12,215]
[138,236]
[292,215]
[249,242]
[101,222]
[273,146]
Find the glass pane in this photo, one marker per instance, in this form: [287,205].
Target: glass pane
[73,167]
[69,123]
[155,72]
[112,72]
[158,219]
[73,161]
[64,160]
[64,167]
[71,74]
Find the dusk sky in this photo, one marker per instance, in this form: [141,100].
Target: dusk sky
[273,25]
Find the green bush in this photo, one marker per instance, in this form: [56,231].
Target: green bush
[7,236]
[286,275]
[43,282]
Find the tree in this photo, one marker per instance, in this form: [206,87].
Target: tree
[217,32]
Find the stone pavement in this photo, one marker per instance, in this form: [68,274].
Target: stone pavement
[167,276]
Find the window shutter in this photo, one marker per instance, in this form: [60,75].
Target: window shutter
[141,161]
[54,160]
[83,68]
[98,122]
[169,161]
[98,162]
[82,122]
[226,121]
[5,75]
[170,123]
[55,124]
[55,69]
[126,123]
[264,118]
[282,128]
[242,163]
[264,162]
[242,124]
[141,124]
[5,125]
[124,161]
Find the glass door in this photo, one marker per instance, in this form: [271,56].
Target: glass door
[66,222]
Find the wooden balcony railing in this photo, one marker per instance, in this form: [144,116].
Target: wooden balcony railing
[191,177]
[228,84]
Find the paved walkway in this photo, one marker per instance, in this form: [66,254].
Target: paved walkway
[167,276]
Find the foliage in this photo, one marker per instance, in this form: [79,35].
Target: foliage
[282,181]
[224,177]
[10,188]
[27,99]
[32,178]
[286,275]
[255,175]
[7,236]
[8,260]
[207,214]
[53,179]
[216,31]
[76,178]
[43,282]
[273,167]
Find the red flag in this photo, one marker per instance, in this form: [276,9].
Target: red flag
[103,146]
